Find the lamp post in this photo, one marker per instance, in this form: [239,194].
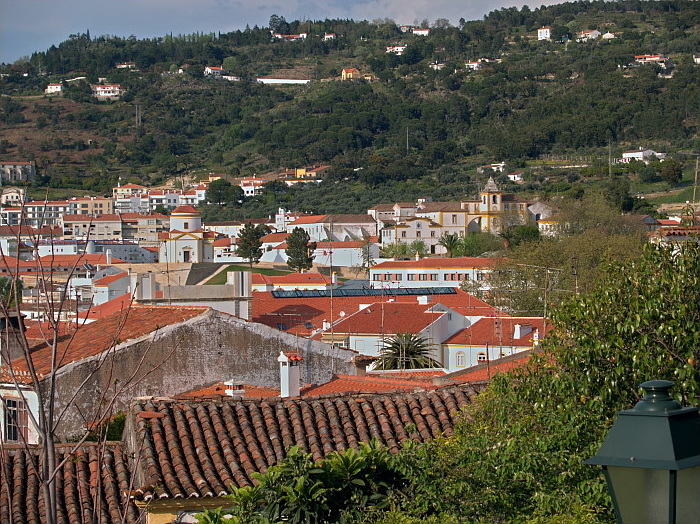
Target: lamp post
[651,460]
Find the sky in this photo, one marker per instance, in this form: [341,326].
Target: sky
[27,26]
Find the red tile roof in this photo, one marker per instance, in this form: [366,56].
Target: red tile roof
[92,480]
[488,370]
[496,331]
[274,238]
[347,244]
[388,318]
[107,280]
[222,242]
[218,390]
[296,313]
[342,384]
[93,338]
[184,209]
[313,219]
[195,449]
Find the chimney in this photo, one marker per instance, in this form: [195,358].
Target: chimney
[417,255]
[521,330]
[234,390]
[289,374]
[108,257]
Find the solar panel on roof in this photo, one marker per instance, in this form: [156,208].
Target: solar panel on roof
[365,292]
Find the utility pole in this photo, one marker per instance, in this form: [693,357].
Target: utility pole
[137,118]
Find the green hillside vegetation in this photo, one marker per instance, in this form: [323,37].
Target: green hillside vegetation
[412,131]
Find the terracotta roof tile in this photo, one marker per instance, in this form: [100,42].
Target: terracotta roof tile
[92,484]
[302,316]
[496,331]
[313,219]
[388,318]
[201,448]
[109,279]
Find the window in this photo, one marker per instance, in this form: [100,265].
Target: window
[403,234]
[480,276]
[432,234]
[454,219]
[433,276]
[461,359]
[494,199]
[417,234]
[398,277]
[375,277]
[422,276]
[417,225]
[15,420]
[387,276]
[481,357]
[186,225]
[411,276]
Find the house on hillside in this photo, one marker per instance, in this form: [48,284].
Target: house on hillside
[54,89]
[106,91]
[213,71]
[642,155]
[544,33]
[585,36]
[351,73]
[17,171]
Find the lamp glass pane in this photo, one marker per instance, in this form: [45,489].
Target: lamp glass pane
[688,496]
[641,494]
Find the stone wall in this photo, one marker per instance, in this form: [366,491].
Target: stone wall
[209,348]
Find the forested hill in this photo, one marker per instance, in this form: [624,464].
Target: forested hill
[421,116]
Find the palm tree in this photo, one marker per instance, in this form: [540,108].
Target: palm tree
[406,351]
[449,241]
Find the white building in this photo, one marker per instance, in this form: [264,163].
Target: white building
[643,155]
[186,242]
[17,171]
[544,33]
[491,338]
[54,89]
[106,91]
[252,186]
[431,272]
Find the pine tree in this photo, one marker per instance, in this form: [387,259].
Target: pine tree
[299,250]
[249,243]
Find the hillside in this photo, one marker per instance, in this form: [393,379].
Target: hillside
[420,126]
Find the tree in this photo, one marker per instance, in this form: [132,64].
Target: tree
[222,192]
[299,250]
[449,241]
[367,256]
[672,171]
[250,243]
[406,351]
[640,322]
[341,487]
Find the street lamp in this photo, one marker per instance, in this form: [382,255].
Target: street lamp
[651,460]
